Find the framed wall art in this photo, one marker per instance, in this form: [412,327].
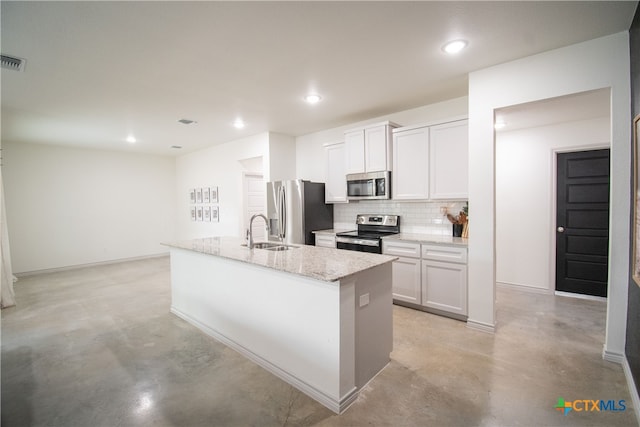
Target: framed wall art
[192,196]
[636,200]
[215,214]
[198,195]
[206,214]
[214,194]
[205,195]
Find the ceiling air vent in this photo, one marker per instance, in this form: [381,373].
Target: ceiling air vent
[12,63]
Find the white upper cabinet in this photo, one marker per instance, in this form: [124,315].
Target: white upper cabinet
[335,187]
[369,149]
[354,151]
[410,180]
[377,148]
[449,161]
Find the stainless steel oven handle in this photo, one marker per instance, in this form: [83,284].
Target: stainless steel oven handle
[353,241]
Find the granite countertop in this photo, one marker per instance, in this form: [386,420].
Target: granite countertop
[326,264]
[430,238]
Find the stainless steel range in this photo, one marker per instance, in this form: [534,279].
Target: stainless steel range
[368,236]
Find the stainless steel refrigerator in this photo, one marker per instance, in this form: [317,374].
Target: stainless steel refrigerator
[295,209]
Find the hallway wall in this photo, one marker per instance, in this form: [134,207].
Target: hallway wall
[632,348]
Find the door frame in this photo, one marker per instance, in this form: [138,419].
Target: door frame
[554,218]
[245,202]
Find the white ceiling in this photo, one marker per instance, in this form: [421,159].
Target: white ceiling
[579,106]
[97,71]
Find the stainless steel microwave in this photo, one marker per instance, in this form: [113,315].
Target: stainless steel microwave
[369,186]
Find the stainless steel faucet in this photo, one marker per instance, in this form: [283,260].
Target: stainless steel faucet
[250,233]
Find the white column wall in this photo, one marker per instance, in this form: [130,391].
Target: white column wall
[596,64]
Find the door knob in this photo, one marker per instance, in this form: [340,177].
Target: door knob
[560,229]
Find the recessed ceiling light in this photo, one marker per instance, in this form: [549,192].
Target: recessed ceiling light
[131,139]
[312,98]
[454,46]
[238,124]
[187,121]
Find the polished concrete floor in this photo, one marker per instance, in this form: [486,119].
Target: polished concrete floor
[98,347]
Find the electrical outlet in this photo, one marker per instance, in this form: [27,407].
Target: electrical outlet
[364,300]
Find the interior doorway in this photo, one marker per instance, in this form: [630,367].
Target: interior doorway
[526,176]
[255,202]
[582,222]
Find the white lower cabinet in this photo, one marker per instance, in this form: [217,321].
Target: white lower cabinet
[406,284]
[429,277]
[406,280]
[444,286]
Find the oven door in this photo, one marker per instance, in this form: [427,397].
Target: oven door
[359,245]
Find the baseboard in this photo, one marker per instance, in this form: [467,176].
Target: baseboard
[633,390]
[336,406]
[579,296]
[524,288]
[93,264]
[481,326]
[612,356]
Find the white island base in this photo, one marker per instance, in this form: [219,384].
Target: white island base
[326,338]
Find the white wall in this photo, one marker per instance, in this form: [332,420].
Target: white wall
[68,206]
[525,171]
[310,154]
[282,157]
[223,166]
[596,64]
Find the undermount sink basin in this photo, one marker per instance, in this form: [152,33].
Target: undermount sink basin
[271,246]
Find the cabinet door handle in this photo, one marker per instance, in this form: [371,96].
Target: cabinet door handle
[560,229]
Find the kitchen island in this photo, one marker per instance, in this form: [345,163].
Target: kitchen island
[318,318]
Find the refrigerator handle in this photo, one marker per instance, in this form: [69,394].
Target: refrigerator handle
[283,213]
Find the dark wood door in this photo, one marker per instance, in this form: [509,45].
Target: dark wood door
[582,243]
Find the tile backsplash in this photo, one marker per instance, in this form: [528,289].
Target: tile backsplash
[415,217]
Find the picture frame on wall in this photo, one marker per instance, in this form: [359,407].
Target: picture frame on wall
[206,214]
[199,213]
[205,195]
[198,195]
[215,214]
[193,210]
[213,194]
[636,201]
[192,196]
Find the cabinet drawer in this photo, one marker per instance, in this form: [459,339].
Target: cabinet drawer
[404,249]
[445,253]
[325,241]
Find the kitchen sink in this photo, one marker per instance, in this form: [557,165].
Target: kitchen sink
[271,246]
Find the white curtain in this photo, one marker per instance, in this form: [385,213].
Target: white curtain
[7,296]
